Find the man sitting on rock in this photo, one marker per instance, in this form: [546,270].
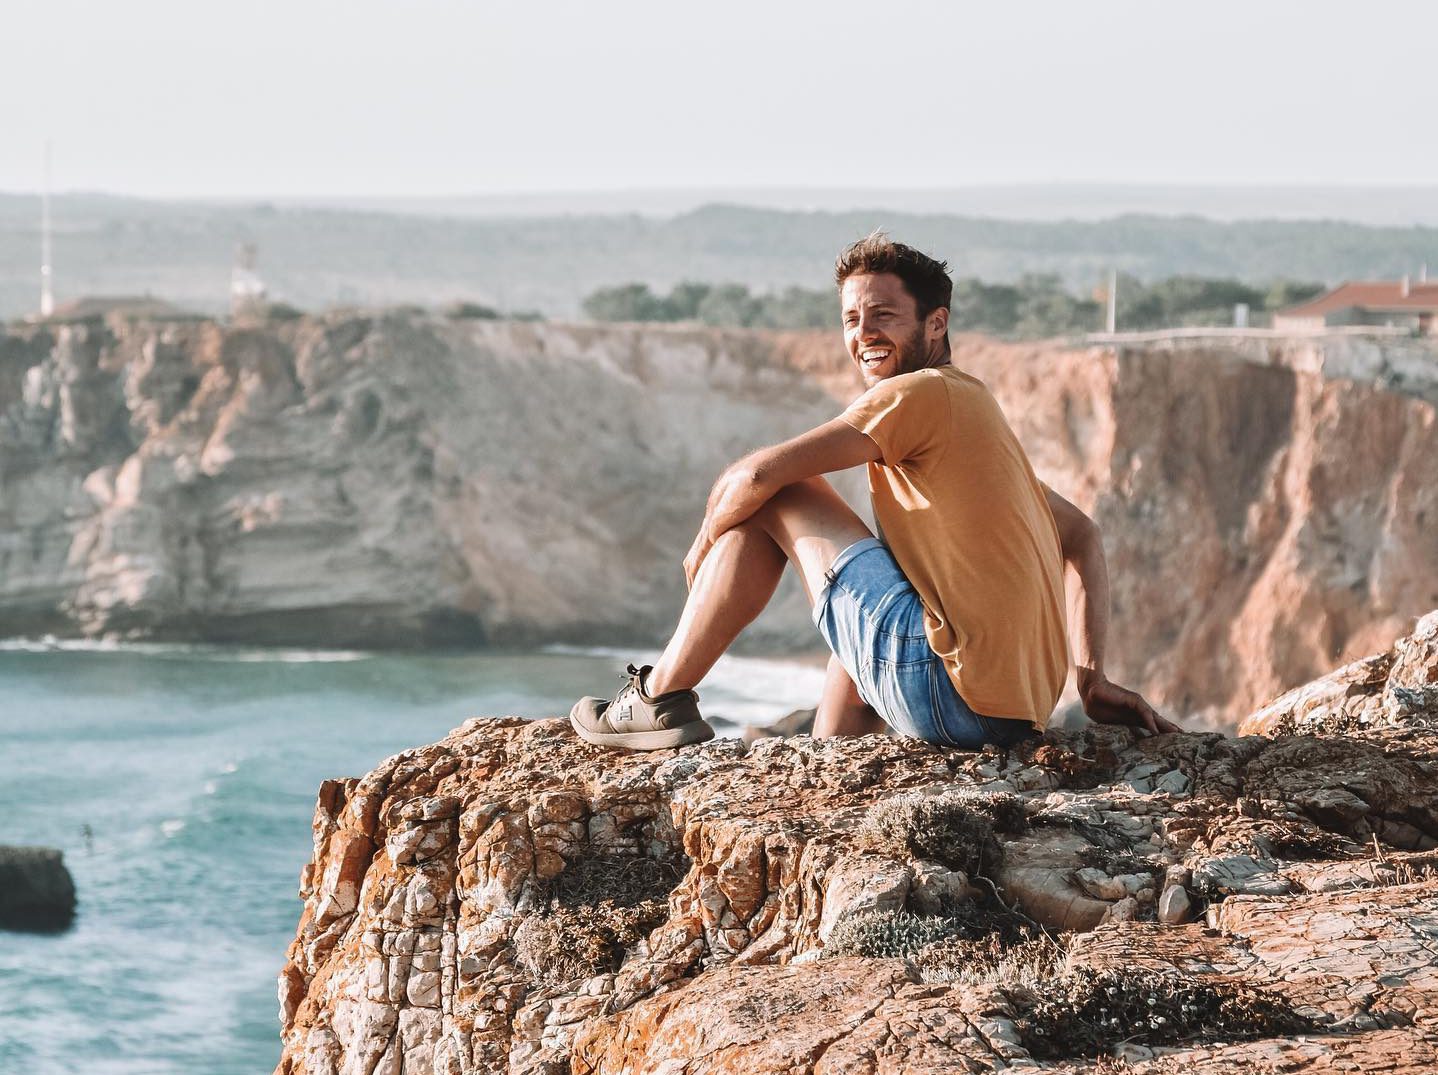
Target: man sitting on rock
[949,628]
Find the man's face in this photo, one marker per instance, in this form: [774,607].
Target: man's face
[882,330]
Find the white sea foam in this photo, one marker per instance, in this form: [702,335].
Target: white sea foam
[181,650]
[172,827]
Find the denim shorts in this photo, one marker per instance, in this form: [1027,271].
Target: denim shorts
[872,619]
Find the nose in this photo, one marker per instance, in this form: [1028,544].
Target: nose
[865,329]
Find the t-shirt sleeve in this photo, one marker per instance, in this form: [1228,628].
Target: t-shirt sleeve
[906,416]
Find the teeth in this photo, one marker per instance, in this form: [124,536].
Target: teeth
[875,356]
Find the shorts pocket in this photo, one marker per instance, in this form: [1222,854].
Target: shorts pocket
[900,614]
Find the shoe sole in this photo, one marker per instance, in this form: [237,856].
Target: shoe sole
[660,739]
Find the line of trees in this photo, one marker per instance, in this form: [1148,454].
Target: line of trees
[726,305]
[1035,305]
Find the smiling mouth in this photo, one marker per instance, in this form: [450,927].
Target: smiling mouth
[874,356]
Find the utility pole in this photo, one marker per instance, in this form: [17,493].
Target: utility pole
[47,291]
[1112,301]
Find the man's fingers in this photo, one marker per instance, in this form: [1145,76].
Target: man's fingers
[1118,705]
[1147,718]
[1153,720]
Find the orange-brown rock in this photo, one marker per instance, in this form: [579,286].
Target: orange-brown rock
[511,899]
[1398,687]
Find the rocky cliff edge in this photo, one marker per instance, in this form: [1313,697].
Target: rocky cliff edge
[511,899]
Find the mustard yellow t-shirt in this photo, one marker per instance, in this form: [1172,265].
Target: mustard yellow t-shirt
[960,508]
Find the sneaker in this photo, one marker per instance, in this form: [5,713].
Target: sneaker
[638,722]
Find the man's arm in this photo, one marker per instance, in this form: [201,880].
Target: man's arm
[1082,546]
[746,484]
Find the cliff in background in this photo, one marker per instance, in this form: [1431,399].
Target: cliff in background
[401,479]
[370,480]
[1269,508]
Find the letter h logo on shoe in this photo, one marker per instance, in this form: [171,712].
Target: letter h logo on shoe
[627,713]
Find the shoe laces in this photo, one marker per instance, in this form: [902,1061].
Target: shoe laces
[633,679]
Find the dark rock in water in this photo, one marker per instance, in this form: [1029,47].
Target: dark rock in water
[799,722]
[36,890]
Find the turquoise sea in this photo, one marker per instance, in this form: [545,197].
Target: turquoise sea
[180,783]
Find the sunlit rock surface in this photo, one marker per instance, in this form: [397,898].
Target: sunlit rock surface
[398,478]
[512,899]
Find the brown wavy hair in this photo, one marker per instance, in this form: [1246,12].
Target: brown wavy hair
[925,278]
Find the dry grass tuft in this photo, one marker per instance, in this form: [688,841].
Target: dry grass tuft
[991,961]
[580,942]
[625,880]
[599,908]
[957,830]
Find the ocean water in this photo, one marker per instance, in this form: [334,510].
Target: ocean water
[180,783]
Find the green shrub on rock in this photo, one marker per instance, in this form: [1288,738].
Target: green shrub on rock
[886,934]
[1087,1012]
[895,934]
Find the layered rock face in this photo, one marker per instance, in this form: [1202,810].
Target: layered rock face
[513,899]
[357,480]
[1268,507]
[399,479]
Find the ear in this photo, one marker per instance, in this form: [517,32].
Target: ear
[937,324]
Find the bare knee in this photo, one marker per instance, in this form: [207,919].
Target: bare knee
[804,493]
[810,507]
[812,524]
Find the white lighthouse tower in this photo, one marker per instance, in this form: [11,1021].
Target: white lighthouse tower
[247,290]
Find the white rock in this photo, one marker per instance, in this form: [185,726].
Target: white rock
[1174,906]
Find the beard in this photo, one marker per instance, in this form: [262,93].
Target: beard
[913,352]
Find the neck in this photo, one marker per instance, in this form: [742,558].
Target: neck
[937,359]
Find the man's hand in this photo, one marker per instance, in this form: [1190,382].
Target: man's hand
[1106,702]
[694,558]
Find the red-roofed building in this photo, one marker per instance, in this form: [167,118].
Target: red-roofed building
[1399,303]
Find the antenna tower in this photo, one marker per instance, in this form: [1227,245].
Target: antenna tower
[47,291]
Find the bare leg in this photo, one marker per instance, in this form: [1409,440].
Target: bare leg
[733,585]
[841,710]
[806,523]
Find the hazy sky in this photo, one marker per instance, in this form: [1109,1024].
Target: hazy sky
[316,97]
